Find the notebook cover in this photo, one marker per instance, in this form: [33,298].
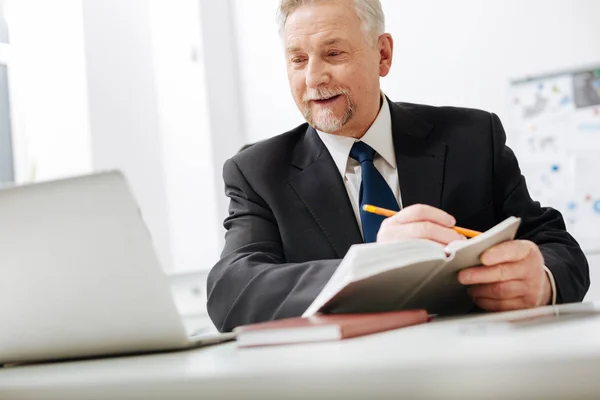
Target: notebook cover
[350,325]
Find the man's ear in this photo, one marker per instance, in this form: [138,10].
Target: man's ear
[385,44]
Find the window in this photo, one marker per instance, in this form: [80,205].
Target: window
[6,147]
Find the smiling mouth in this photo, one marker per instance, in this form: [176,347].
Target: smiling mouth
[327,101]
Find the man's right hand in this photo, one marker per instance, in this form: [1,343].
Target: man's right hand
[419,221]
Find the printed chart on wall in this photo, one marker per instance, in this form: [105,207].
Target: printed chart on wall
[557,122]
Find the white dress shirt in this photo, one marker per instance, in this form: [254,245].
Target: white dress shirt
[379,137]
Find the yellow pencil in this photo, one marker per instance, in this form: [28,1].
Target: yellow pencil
[388,213]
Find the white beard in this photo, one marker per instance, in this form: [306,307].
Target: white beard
[324,120]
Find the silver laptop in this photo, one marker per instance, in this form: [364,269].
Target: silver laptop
[79,276]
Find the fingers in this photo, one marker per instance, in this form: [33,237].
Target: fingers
[422,212]
[514,250]
[499,290]
[511,278]
[420,230]
[501,305]
[491,274]
[516,259]
[419,221]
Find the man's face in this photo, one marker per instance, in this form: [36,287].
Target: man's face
[333,67]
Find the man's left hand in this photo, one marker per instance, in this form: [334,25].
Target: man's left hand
[512,277]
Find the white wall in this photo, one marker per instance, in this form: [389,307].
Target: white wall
[149,118]
[222,67]
[460,52]
[124,117]
[267,102]
[187,138]
[477,47]
[47,80]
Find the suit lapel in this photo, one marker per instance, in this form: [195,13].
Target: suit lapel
[420,160]
[320,187]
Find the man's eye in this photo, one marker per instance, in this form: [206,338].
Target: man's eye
[297,60]
[334,54]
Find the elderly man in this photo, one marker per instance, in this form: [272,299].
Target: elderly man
[295,199]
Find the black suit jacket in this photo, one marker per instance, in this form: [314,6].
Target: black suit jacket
[290,220]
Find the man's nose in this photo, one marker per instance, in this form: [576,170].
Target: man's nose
[317,74]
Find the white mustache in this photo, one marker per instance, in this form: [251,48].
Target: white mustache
[324,94]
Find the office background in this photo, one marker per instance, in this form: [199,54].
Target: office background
[167,90]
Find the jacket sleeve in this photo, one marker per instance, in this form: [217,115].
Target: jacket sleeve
[252,281]
[541,225]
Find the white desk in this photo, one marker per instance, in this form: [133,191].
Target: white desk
[437,360]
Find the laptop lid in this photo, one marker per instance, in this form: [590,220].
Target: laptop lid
[78,273]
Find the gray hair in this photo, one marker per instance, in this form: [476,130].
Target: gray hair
[369,12]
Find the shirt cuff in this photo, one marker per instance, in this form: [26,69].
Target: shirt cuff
[552,284]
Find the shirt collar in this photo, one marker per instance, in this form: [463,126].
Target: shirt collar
[378,136]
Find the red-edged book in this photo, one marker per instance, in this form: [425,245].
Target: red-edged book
[325,327]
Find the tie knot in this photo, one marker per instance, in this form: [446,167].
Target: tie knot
[362,152]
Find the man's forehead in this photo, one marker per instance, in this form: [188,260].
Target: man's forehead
[296,43]
[318,19]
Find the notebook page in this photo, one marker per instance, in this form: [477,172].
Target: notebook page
[386,291]
[398,255]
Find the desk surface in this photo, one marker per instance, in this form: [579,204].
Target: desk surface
[463,358]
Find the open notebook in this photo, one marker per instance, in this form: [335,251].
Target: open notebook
[412,274]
